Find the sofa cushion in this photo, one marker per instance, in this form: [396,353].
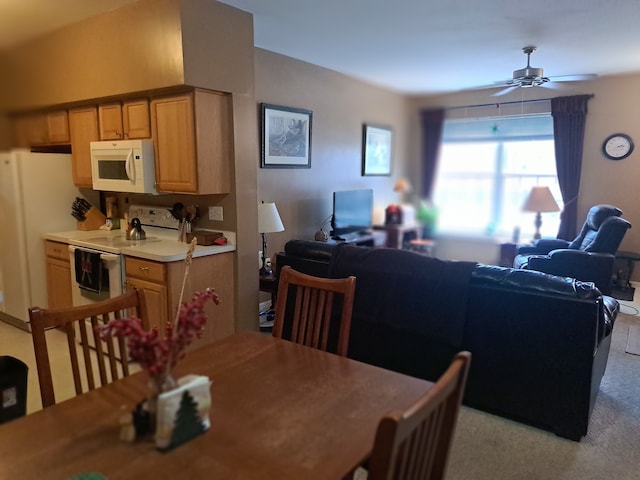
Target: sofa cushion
[310,249]
[533,281]
[407,291]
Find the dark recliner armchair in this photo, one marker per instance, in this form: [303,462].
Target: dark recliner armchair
[590,257]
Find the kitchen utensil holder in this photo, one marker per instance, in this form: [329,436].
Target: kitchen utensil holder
[94,220]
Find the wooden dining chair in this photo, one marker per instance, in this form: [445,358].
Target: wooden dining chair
[312,310]
[108,356]
[414,444]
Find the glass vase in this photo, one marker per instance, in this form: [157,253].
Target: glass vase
[157,384]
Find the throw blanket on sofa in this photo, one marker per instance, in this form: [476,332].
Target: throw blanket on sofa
[406,290]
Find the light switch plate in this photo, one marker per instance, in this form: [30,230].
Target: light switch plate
[215,213]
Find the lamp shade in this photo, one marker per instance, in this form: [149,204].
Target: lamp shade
[402,185]
[269,219]
[540,199]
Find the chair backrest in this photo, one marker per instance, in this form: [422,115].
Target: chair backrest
[602,231]
[415,444]
[313,308]
[81,322]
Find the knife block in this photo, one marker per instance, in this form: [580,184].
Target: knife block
[94,220]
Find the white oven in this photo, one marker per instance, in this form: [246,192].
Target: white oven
[111,271]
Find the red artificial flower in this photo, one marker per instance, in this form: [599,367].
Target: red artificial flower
[157,354]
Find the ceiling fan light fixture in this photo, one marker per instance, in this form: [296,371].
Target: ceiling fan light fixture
[534,77]
[528,72]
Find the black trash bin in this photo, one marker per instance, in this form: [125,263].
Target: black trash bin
[13,388]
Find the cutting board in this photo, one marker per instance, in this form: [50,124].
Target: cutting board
[204,238]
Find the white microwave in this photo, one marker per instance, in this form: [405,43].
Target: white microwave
[123,166]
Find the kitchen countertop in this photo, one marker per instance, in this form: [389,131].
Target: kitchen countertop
[161,245]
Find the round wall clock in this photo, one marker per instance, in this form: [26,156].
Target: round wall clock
[617,146]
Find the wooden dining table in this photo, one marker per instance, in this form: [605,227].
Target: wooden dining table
[279,411]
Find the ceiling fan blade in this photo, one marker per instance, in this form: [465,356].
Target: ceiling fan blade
[506,90]
[505,83]
[554,86]
[574,78]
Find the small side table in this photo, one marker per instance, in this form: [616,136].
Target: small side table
[397,235]
[269,284]
[622,289]
[423,246]
[507,254]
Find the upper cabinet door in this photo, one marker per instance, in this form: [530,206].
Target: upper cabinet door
[110,115]
[124,121]
[172,121]
[58,127]
[83,126]
[41,129]
[193,139]
[135,119]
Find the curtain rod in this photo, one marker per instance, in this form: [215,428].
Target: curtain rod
[498,104]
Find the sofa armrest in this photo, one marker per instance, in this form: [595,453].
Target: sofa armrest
[585,266]
[542,246]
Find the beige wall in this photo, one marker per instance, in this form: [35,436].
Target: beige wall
[340,106]
[137,47]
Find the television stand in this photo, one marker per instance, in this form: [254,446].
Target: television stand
[362,239]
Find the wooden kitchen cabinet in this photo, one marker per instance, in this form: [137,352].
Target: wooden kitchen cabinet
[192,136]
[58,268]
[42,128]
[151,278]
[124,120]
[58,127]
[83,128]
[162,284]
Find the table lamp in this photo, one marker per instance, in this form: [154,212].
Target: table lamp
[268,222]
[540,200]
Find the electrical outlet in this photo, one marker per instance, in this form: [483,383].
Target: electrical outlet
[215,213]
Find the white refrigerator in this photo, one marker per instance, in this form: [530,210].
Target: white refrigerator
[36,194]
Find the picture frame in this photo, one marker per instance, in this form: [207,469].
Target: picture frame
[376,150]
[286,137]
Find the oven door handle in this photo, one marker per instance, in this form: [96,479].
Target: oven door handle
[109,257]
[105,257]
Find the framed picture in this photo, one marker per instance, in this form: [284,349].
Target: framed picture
[376,150]
[286,137]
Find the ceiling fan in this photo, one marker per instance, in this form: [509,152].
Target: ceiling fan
[534,77]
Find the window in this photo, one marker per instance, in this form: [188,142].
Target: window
[485,172]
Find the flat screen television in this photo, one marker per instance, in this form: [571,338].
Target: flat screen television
[352,212]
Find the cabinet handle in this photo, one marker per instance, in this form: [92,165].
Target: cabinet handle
[143,269]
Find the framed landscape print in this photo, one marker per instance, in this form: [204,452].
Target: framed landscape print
[376,150]
[286,137]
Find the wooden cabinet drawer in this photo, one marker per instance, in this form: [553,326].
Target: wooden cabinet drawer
[145,269]
[57,250]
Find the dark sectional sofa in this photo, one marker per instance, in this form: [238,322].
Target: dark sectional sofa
[539,342]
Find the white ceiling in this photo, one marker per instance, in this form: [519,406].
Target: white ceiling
[412,46]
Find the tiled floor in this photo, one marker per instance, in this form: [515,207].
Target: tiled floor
[17,343]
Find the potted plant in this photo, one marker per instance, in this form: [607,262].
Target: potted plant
[427,216]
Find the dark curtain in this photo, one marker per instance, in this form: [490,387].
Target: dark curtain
[569,118]
[432,121]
